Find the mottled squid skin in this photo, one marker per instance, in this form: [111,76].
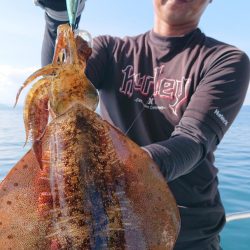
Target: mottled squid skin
[99,201]
[84,212]
[94,188]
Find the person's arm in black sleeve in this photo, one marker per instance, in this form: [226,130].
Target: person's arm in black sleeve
[55,14]
[183,151]
[208,116]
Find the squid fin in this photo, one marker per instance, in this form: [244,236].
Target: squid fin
[20,224]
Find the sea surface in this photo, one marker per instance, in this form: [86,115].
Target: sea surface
[232,160]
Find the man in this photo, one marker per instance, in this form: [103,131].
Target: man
[175,92]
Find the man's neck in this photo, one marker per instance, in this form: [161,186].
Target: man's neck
[164,29]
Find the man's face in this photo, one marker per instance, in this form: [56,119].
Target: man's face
[179,12]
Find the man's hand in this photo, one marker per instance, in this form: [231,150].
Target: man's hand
[83,49]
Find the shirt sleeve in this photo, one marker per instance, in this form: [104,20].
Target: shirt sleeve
[180,154]
[221,92]
[212,109]
[57,10]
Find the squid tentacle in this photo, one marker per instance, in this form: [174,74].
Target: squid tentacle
[36,109]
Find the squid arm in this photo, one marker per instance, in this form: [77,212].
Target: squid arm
[47,70]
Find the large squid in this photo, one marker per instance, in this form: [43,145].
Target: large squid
[84,184]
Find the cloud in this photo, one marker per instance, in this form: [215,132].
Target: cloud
[11,79]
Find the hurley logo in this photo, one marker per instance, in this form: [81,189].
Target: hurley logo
[221,117]
[172,90]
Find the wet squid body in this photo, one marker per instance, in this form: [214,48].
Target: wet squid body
[99,190]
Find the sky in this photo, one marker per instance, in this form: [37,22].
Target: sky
[22,26]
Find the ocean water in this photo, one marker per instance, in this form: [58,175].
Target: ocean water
[232,160]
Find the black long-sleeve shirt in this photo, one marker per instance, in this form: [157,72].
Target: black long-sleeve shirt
[176,97]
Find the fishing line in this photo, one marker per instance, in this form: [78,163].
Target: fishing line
[136,118]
